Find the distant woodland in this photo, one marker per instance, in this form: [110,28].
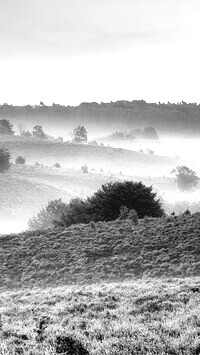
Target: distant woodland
[181,118]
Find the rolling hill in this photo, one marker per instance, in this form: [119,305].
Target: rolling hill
[26,189]
[111,251]
[71,155]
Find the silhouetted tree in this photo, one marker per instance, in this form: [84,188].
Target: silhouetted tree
[5,158]
[107,201]
[80,135]
[186,178]
[6,128]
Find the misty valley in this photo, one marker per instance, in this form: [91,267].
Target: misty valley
[99,232]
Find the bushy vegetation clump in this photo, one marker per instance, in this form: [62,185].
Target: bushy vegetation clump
[105,205]
[107,201]
[38,132]
[187,179]
[5,160]
[48,216]
[6,128]
[80,134]
[20,160]
[146,133]
[57,165]
[84,169]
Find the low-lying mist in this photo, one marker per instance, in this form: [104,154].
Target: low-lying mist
[28,188]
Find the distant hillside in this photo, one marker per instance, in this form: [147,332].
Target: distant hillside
[106,251]
[181,118]
[24,190]
[71,155]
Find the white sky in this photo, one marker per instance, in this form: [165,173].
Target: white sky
[71,51]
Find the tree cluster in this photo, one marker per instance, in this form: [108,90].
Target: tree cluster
[186,178]
[104,205]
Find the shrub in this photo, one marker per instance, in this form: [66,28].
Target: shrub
[57,165]
[20,160]
[5,158]
[84,169]
[68,345]
[77,211]
[150,133]
[123,213]
[93,142]
[38,132]
[133,217]
[6,128]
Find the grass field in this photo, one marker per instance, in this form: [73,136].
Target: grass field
[102,289]
[153,317]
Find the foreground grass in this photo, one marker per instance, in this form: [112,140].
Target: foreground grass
[132,317]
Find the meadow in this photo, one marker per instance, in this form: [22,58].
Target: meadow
[154,317]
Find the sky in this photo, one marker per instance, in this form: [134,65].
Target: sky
[73,51]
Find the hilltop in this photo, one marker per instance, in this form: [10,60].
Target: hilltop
[111,251]
[181,118]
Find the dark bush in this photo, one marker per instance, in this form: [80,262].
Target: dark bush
[107,201]
[5,158]
[66,345]
[133,200]
[20,160]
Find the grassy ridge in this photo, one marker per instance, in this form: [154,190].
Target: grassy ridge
[141,317]
[106,251]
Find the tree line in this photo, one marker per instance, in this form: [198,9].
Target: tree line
[178,117]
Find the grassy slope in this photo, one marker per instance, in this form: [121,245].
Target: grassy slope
[24,190]
[75,155]
[112,251]
[129,318]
